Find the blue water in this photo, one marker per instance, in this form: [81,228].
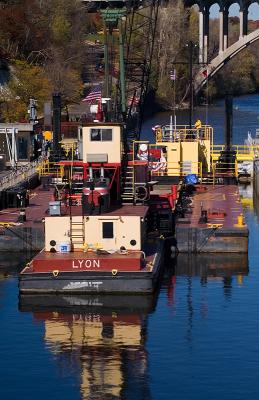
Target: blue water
[199,339]
[245,118]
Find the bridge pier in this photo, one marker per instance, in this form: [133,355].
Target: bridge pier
[206,34]
[243,22]
[225,29]
[221,39]
[226,52]
[201,36]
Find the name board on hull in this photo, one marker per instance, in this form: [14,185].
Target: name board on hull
[85,264]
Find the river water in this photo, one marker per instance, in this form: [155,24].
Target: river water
[197,339]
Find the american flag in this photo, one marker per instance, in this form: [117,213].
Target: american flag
[173,75]
[94,94]
[133,100]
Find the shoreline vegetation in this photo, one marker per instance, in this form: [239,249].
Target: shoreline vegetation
[43,47]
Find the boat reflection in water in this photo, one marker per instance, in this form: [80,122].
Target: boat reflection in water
[209,266]
[101,338]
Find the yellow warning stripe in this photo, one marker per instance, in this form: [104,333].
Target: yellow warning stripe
[7,224]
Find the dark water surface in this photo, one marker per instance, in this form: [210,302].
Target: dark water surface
[198,339]
[245,118]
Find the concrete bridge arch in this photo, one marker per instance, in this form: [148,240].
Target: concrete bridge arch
[222,58]
[225,52]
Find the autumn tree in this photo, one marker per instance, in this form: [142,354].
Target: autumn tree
[27,82]
[176,26]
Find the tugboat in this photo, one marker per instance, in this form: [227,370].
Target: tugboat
[97,233]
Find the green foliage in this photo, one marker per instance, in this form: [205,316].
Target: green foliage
[238,76]
[27,82]
[42,42]
[61,28]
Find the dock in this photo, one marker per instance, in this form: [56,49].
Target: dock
[224,231]
[213,222]
[28,235]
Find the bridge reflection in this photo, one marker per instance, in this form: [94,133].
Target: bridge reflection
[100,339]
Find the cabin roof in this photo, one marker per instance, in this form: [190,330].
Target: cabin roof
[119,211]
[96,124]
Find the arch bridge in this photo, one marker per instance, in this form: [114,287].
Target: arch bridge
[226,52]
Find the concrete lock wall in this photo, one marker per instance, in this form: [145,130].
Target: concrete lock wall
[21,239]
[256,177]
[212,240]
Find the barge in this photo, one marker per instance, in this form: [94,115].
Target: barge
[209,213]
[106,231]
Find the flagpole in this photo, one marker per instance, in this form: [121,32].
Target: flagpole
[171,127]
[174,100]
[173,78]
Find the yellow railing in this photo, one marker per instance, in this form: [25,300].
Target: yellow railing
[182,133]
[69,146]
[243,152]
[221,170]
[47,168]
[175,168]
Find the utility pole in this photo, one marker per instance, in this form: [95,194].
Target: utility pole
[190,46]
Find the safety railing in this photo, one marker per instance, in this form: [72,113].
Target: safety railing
[225,169]
[175,168]
[69,147]
[183,133]
[54,169]
[243,152]
[20,174]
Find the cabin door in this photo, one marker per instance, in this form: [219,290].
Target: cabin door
[108,232]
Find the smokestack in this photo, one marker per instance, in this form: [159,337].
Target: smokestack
[56,124]
[228,121]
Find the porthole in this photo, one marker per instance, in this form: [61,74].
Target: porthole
[52,243]
[133,242]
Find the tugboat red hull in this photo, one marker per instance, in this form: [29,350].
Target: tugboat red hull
[140,281]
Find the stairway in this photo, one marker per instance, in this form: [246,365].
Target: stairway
[77,184]
[94,54]
[131,132]
[77,233]
[128,189]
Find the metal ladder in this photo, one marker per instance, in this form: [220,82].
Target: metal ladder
[128,185]
[77,232]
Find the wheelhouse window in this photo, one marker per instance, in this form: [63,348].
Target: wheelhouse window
[101,135]
[108,230]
